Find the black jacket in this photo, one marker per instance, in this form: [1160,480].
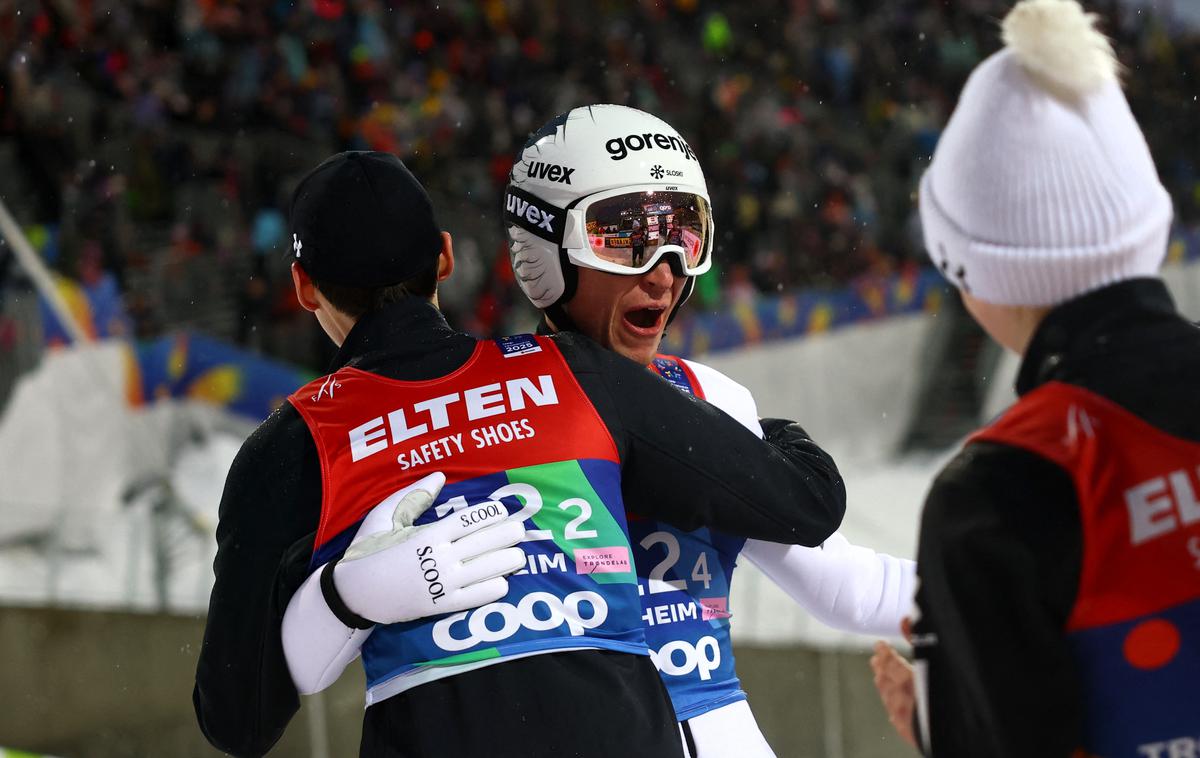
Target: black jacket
[1001,545]
[682,461]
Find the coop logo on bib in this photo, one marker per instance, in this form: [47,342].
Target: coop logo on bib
[537,611]
[680,658]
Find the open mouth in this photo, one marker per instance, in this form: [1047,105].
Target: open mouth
[645,319]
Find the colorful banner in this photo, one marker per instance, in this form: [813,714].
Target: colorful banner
[187,365]
[191,365]
[99,309]
[815,311]
[805,312]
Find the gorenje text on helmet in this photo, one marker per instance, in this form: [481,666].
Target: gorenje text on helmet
[618,147]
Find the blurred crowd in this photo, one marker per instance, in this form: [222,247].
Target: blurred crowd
[156,141]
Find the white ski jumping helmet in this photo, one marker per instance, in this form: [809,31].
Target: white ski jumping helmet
[605,187]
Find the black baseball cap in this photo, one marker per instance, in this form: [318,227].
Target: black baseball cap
[361,219]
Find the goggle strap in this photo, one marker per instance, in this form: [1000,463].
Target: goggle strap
[534,215]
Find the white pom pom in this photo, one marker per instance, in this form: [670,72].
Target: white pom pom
[1057,42]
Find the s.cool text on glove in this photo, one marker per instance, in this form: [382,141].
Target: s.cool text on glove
[430,572]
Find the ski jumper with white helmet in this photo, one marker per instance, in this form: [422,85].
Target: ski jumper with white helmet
[616,189]
[684,576]
[562,478]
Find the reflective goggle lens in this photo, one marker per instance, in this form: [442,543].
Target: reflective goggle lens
[627,230]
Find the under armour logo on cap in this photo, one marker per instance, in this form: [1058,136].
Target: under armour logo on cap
[296,244]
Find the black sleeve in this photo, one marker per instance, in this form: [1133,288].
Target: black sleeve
[999,561]
[244,696]
[689,464]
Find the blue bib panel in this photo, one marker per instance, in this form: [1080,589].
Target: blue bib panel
[683,580]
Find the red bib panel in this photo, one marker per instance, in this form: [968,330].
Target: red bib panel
[500,410]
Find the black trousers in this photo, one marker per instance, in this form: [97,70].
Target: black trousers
[576,704]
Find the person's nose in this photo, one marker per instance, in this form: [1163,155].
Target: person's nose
[659,278]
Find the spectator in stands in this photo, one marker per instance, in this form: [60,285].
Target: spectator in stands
[815,120]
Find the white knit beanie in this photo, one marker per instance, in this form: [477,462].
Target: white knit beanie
[1041,187]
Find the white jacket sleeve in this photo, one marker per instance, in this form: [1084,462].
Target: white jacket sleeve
[318,646]
[846,587]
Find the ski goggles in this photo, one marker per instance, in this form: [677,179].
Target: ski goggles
[622,231]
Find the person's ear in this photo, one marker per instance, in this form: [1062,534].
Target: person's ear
[446,258]
[306,291]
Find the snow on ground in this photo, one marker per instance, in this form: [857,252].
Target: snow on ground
[104,504]
[155,553]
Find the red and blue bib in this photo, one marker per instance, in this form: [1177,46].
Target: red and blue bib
[1135,626]
[511,426]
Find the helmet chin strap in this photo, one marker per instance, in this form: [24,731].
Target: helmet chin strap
[688,286]
[557,315]
[556,312]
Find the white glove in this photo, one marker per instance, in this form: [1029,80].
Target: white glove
[394,572]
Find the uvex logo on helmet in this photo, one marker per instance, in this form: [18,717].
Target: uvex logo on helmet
[618,147]
[550,171]
[532,214]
